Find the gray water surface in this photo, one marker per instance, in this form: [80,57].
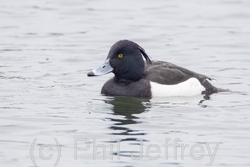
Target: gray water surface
[52,114]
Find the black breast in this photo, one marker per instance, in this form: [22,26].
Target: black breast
[140,88]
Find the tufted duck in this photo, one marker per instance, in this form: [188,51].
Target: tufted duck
[135,77]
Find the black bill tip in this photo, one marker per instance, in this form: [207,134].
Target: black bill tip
[90,74]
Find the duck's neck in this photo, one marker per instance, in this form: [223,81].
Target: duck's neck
[130,78]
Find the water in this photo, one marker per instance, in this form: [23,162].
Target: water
[49,104]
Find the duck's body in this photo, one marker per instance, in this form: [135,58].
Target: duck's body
[160,79]
[137,78]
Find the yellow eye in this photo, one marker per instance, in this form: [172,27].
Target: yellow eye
[120,56]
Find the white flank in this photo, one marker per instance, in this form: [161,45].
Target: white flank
[190,87]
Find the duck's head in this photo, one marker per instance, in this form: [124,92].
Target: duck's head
[125,60]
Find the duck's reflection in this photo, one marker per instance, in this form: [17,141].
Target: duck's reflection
[128,108]
[126,112]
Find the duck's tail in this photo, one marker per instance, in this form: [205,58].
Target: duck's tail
[223,90]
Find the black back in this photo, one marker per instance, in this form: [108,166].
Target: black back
[169,74]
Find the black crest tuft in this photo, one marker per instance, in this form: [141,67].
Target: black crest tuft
[145,55]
